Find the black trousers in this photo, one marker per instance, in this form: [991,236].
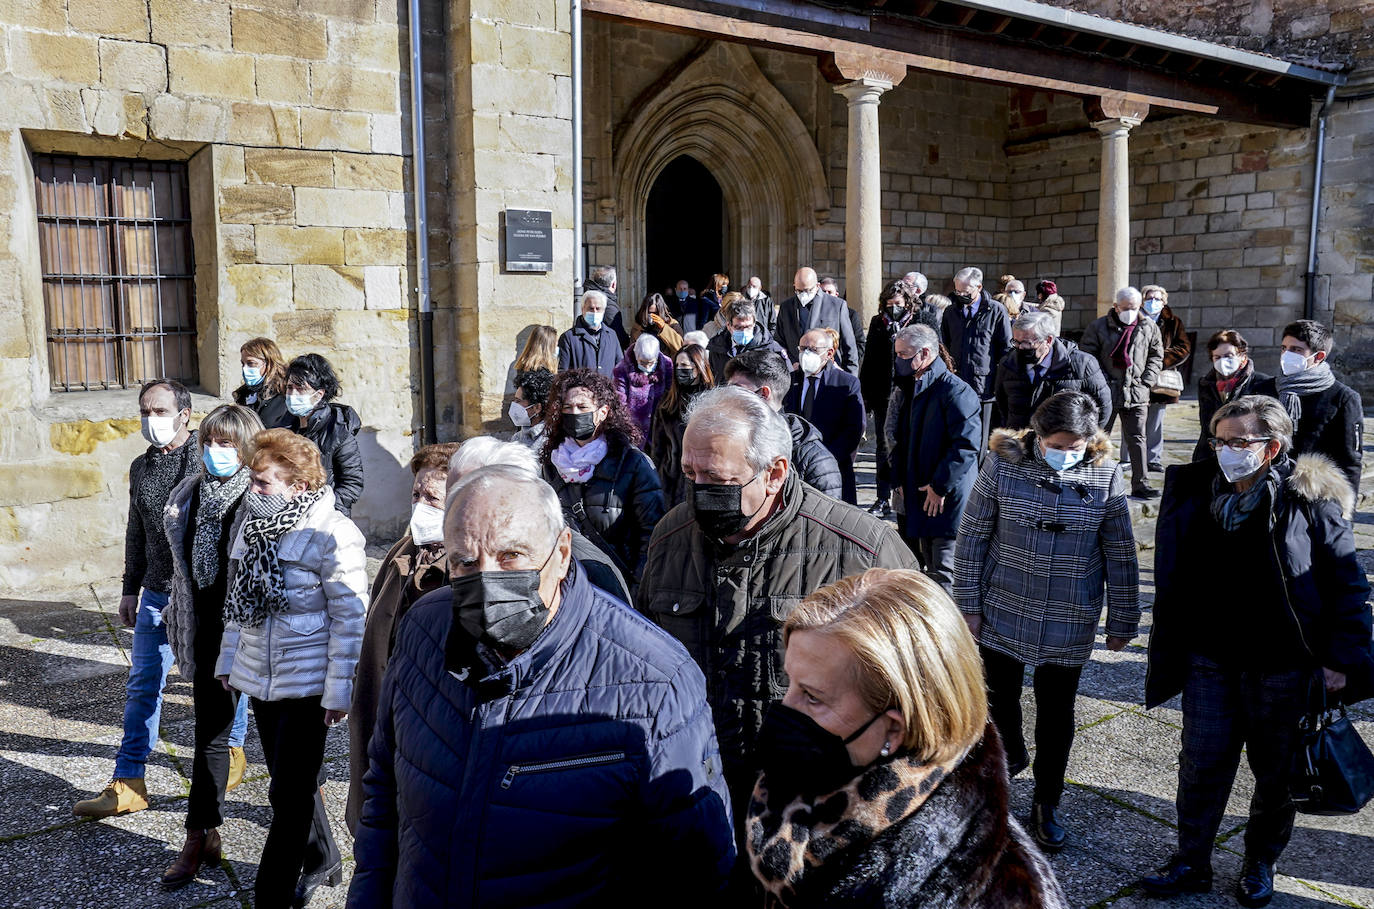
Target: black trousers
[880,453]
[1055,689]
[214,710]
[849,483]
[300,839]
[1223,710]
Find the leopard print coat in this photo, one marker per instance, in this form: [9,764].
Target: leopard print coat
[903,835]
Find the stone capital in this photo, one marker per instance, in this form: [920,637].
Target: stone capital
[863,91]
[1116,127]
[1115,110]
[870,68]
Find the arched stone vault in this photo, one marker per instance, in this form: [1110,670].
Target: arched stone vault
[721,110]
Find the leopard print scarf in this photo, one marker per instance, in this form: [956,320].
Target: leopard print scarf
[785,843]
[259,587]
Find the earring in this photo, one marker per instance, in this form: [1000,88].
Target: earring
[887,749]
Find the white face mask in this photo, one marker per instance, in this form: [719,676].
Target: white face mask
[519,414]
[1292,363]
[1237,465]
[805,296]
[160,431]
[1128,316]
[300,405]
[752,293]
[426,524]
[811,362]
[1227,367]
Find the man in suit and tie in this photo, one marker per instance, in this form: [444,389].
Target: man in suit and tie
[976,330]
[830,399]
[1040,366]
[809,308]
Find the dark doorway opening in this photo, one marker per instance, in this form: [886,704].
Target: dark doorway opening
[684,228]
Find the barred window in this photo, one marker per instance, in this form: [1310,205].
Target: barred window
[115,240]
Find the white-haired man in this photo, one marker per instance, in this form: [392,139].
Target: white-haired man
[537,742]
[1130,351]
[728,566]
[917,282]
[590,344]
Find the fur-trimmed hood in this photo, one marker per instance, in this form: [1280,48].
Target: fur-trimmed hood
[1017,446]
[1316,477]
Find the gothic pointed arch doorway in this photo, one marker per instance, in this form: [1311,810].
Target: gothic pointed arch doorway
[685,226]
[721,112]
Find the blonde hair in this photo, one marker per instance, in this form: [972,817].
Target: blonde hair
[232,422]
[297,456]
[912,651]
[540,351]
[1150,288]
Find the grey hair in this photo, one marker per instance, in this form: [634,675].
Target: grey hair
[1015,285]
[1038,322]
[604,275]
[1273,418]
[917,280]
[1128,293]
[535,493]
[727,410]
[920,336]
[646,348]
[695,337]
[593,295]
[486,451]
[743,307]
[939,301]
[970,275]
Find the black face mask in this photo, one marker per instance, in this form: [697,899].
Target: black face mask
[961,299]
[581,426]
[686,377]
[1027,357]
[799,757]
[895,313]
[501,609]
[717,509]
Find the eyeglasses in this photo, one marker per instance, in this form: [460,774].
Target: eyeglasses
[1240,443]
[818,351]
[1025,345]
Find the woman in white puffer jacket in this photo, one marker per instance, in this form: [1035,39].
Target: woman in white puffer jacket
[293,628]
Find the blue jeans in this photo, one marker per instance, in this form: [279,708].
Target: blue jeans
[150,661]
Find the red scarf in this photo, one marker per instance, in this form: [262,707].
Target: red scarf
[1227,387]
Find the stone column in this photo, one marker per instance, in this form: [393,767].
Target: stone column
[1114,118]
[864,82]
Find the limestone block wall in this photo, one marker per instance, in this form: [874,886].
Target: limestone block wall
[291,118]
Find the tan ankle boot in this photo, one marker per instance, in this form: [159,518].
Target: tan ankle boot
[120,797]
[202,847]
[238,763]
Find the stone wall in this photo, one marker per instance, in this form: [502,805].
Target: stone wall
[292,121]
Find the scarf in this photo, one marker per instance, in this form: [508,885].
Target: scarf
[1311,380]
[786,842]
[216,498]
[259,588]
[1121,353]
[575,463]
[1231,508]
[1227,387]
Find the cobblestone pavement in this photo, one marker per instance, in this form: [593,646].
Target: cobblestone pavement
[64,659]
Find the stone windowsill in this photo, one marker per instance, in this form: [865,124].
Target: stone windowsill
[97,406]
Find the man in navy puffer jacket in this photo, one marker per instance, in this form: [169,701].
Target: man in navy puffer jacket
[538,742]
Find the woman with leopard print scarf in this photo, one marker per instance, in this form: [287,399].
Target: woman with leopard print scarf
[293,629]
[883,782]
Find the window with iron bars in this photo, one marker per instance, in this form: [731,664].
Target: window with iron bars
[118,271]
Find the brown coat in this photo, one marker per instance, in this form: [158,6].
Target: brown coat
[398,585]
[1177,347]
[669,334]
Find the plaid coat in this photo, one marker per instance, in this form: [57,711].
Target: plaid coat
[1036,548]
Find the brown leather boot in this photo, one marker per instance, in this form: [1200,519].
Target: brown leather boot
[202,848]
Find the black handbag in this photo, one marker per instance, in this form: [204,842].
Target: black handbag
[1333,770]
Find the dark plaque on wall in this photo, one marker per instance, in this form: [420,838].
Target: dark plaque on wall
[529,240]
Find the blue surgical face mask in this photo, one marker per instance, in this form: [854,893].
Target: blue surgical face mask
[742,336]
[682,294]
[300,405]
[593,319]
[252,375]
[1153,307]
[220,462]
[1059,459]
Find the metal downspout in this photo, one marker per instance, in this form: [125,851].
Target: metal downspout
[428,428]
[579,265]
[1309,307]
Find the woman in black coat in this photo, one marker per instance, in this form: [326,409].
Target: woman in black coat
[1233,375]
[264,382]
[1259,599]
[691,376]
[311,387]
[609,489]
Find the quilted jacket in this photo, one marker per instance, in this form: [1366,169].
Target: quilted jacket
[1037,549]
[583,773]
[312,647]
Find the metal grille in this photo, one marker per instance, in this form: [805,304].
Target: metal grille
[118,282]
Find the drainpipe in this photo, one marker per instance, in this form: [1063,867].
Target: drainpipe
[428,428]
[579,265]
[1309,307]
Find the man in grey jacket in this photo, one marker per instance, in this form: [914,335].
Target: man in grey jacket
[810,307]
[1130,351]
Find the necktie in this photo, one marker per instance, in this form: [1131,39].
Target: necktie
[968,311]
[1037,373]
[809,404]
